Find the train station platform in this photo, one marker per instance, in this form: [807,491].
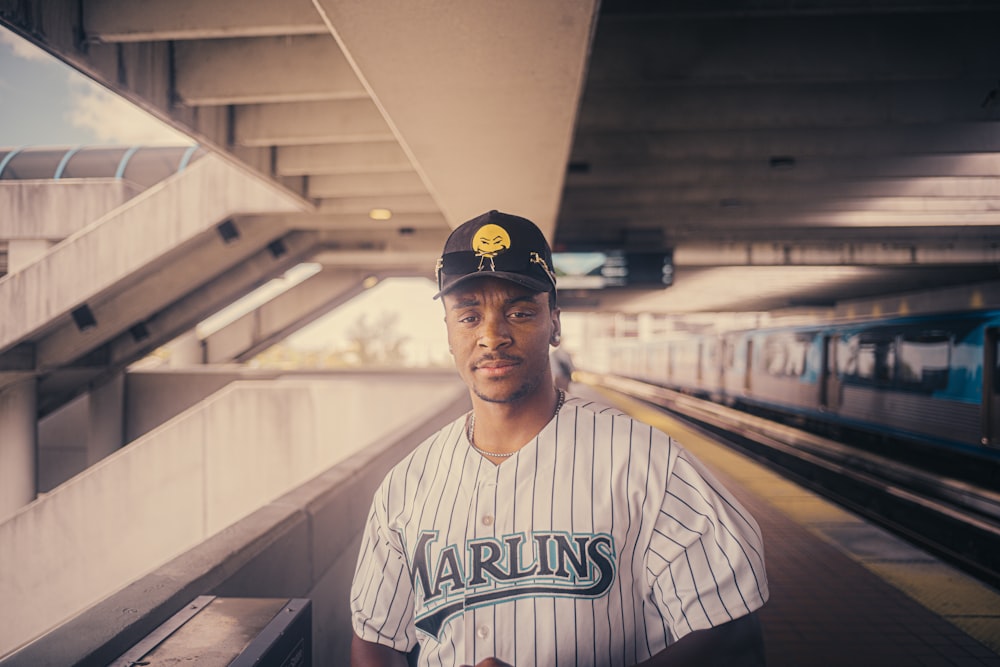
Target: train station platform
[844,591]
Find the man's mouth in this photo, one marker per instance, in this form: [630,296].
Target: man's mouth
[496,366]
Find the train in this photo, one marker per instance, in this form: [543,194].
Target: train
[932,379]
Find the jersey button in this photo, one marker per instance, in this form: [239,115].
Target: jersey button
[482,632]
[487,520]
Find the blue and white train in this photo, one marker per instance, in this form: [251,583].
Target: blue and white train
[930,378]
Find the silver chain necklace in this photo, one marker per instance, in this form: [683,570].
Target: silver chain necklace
[471,430]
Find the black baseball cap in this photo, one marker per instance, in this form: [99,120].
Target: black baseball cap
[496,245]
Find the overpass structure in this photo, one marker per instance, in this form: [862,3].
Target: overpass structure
[818,159]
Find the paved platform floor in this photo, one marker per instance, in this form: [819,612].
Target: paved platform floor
[843,591]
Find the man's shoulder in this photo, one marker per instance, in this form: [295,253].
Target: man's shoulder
[592,405]
[615,418]
[601,409]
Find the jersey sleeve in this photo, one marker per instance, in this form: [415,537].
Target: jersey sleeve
[706,555]
[381,594]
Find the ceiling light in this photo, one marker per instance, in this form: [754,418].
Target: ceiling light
[380,214]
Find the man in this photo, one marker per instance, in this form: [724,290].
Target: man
[545,529]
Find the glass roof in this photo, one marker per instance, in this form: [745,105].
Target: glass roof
[142,165]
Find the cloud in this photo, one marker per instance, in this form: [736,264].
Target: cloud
[114,120]
[22,48]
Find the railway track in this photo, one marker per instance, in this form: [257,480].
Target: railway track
[957,520]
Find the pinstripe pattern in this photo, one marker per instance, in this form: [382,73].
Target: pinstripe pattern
[599,543]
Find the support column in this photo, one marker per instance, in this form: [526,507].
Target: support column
[187,350]
[18,459]
[107,419]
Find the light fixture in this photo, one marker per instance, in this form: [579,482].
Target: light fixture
[84,318]
[228,232]
[369,282]
[781,162]
[380,214]
[277,248]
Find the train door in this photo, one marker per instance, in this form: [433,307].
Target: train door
[829,398]
[991,387]
[748,368]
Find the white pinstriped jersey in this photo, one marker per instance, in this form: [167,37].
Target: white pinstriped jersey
[599,543]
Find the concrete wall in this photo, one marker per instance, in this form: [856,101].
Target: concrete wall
[303,544]
[56,209]
[154,396]
[189,479]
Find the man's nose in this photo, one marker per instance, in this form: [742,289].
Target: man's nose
[495,332]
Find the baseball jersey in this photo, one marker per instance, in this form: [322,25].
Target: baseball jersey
[600,542]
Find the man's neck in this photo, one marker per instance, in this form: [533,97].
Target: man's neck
[506,427]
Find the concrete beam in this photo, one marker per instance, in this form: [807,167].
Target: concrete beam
[373,157]
[310,123]
[834,254]
[607,171]
[18,358]
[362,205]
[138,297]
[413,262]
[757,144]
[412,222]
[501,82]
[366,185]
[159,20]
[708,217]
[130,345]
[283,315]
[774,192]
[214,295]
[827,42]
[691,107]
[264,69]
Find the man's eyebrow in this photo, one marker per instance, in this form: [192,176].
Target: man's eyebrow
[465,302]
[472,300]
[524,298]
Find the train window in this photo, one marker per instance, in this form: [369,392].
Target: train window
[923,361]
[915,360]
[785,354]
[774,353]
[847,356]
[875,362]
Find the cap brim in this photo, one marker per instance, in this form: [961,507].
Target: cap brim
[520,279]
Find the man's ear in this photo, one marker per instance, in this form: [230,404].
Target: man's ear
[556,337]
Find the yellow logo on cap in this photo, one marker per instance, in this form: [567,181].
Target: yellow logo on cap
[488,242]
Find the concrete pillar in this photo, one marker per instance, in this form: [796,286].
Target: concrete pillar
[107,419]
[187,350]
[18,420]
[22,252]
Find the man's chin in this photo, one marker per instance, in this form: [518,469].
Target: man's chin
[502,396]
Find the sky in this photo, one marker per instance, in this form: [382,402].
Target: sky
[46,103]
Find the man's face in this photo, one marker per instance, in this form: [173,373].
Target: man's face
[499,334]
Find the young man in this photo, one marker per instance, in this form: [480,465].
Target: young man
[545,529]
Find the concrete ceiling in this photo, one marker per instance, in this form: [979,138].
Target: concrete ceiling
[790,154]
